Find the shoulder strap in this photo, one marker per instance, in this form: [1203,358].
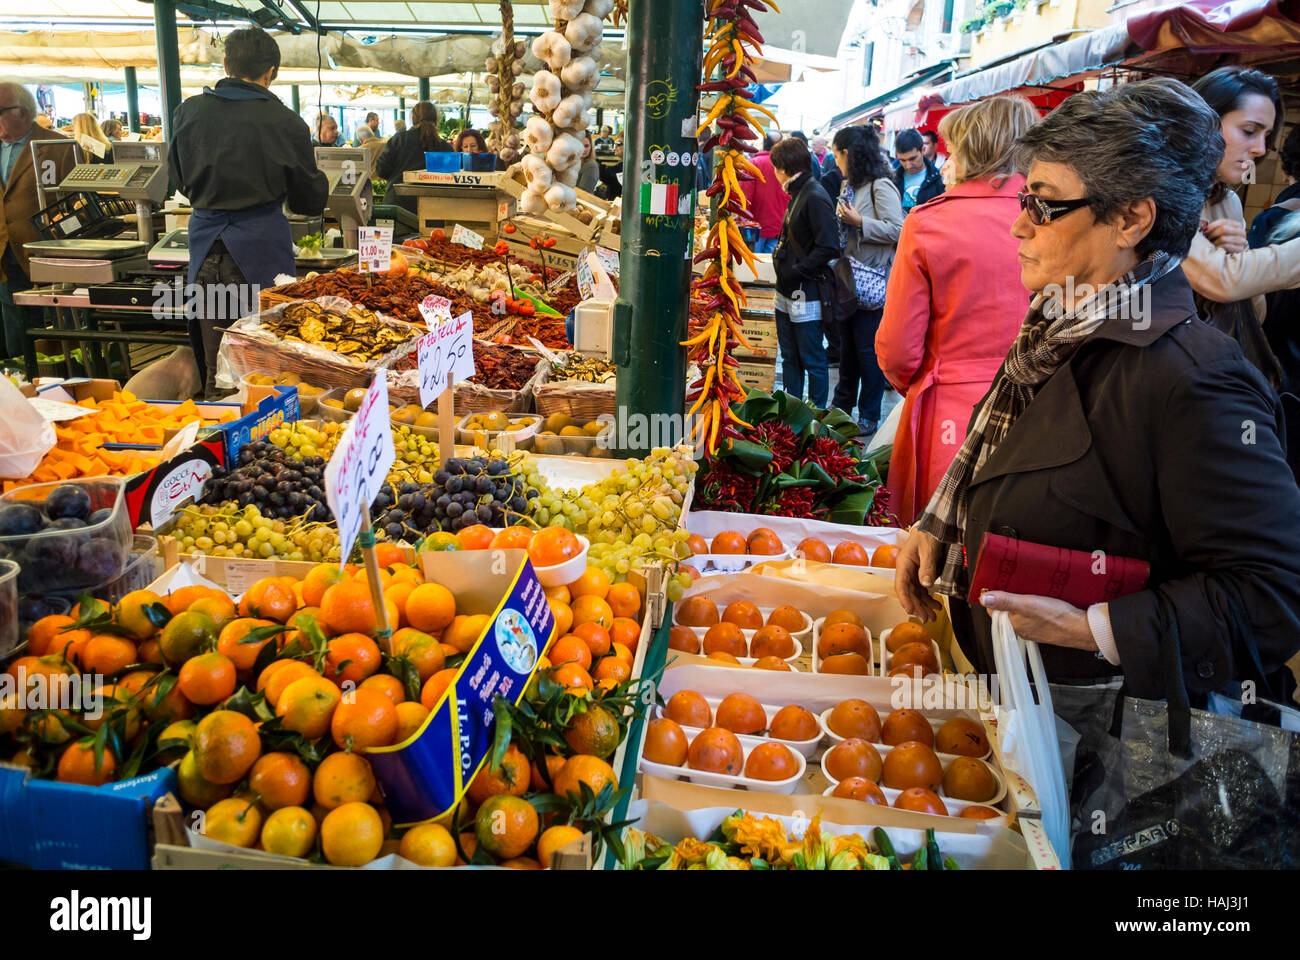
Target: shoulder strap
[1292,205]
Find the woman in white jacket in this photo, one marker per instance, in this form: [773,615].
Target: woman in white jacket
[1230,278]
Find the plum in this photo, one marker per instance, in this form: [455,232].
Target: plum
[99,560]
[68,500]
[67,523]
[99,516]
[49,558]
[19,519]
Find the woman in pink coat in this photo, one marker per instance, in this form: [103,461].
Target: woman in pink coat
[954,301]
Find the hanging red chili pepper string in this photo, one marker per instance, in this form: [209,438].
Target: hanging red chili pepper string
[734,40]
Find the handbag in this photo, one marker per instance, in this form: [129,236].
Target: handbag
[861,282]
[1160,785]
[1019,566]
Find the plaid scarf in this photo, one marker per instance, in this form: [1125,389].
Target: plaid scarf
[1047,338]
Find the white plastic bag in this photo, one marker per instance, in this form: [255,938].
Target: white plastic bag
[25,436]
[1027,729]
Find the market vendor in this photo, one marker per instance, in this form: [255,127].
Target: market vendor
[1120,425]
[240,155]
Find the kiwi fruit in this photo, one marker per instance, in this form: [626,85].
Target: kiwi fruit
[426,419]
[352,399]
[333,402]
[594,428]
[558,421]
[572,431]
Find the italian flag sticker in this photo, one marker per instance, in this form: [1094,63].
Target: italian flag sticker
[659,198]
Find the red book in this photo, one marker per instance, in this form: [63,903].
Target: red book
[1075,576]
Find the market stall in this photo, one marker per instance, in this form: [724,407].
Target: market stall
[426,593]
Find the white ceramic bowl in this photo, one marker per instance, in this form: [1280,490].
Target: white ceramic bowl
[562,574]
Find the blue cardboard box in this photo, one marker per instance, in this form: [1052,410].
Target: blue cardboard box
[272,412]
[50,825]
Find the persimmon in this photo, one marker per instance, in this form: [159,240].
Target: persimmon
[912,764]
[851,554]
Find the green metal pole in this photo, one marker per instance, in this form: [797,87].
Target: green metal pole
[665,40]
[169,61]
[294,100]
[424,88]
[132,101]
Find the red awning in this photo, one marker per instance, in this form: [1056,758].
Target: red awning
[1216,26]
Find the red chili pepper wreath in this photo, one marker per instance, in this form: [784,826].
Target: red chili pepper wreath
[734,39]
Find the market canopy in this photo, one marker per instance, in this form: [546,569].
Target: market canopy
[876,105]
[1079,56]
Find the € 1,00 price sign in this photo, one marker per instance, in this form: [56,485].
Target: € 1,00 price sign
[374,249]
[445,354]
[360,464]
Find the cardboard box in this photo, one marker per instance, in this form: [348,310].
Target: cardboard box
[50,825]
[554,258]
[454,206]
[460,178]
[179,848]
[761,335]
[674,811]
[426,776]
[757,374]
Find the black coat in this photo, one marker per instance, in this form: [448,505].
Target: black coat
[1161,444]
[404,151]
[931,186]
[810,238]
[233,154]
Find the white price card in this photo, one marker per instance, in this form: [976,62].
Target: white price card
[585,279]
[445,355]
[609,260]
[374,249]
[467,238]
[360,463]
[435,309]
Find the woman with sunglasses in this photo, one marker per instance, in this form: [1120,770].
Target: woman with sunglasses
[1230,280]
[953,307]
[1119,426]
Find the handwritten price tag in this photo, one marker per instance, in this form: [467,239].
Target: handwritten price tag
[585,279]
[446,355]
[435,310]
[608,260]
[466,237]
[375,249]
[360,463]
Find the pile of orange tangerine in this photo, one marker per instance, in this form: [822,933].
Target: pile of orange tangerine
[167,686]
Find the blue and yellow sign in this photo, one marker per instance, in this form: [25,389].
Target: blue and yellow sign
[425,776]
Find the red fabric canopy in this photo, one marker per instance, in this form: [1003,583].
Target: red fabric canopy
[1218,26]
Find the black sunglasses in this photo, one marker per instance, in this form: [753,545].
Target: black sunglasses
[1042,211]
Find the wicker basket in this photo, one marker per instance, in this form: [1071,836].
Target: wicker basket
[583,402]
[251,350]
[470,397]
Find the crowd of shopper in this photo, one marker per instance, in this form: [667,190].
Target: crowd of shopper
[1081,328]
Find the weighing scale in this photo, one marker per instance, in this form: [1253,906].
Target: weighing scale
[139,174]
[351,194]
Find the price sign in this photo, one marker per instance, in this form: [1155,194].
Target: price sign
[466,237]
[445,354]
[585,279]
[360,463]
[375,249]
[435,310]
[608,260]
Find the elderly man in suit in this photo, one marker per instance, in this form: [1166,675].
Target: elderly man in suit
[18,203]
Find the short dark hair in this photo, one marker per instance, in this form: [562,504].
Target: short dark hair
[371,116]
[1290,153]
[250,52]
[931,136]
[907,141]
[1223,90]
[770,140]
[1151,138]
[800,136]
[791,157]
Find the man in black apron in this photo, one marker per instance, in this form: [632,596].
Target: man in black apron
[239,155]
